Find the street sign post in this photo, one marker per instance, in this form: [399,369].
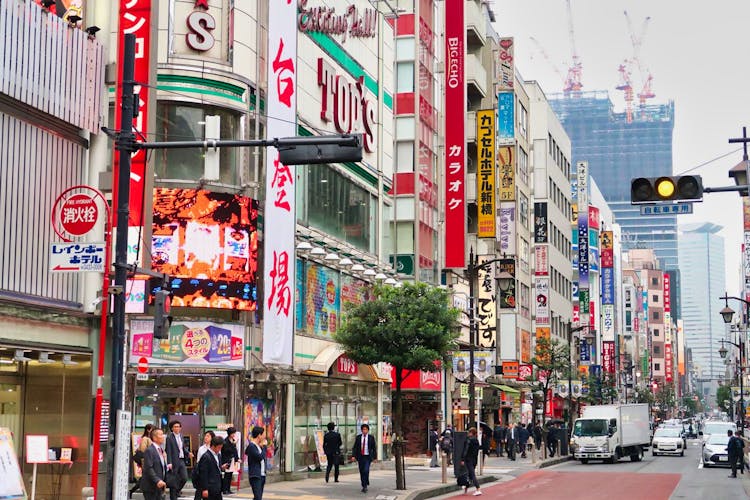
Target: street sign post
[77,257]
[667,209]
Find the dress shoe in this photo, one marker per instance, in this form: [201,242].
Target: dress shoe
[364,490]
[731,476]
[335,480]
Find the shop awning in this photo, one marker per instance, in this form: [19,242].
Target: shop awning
[506,388]
[324,360]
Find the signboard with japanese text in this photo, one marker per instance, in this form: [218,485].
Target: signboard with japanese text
[593,218]
[280,216]
[505,64]
[608,322]
[668,362]
[585,351]
[680,348]
[541,299]
[582,193]
[608,285]
[506,117]
[455,135]
[135,18]
[593,250]
[540,222]
[208,242]
[583,300]
[484,364]
[486,173]
[525,372]
[671,209]
[486,306]
[322,298]
[507,173]
[12,486]
[510,369]
[582,229]
[541,260]
[77,257]
[507,297]
[197,344]
[525,346]
[607,249]
[507,227]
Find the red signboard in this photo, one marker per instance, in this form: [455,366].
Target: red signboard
[346,366]
[135,17]
[668,362]
[524,371]
[455,136]
[593,217]
[608,356]
[419,380]
[667,304]
[510,369]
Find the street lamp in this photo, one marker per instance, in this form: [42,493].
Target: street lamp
[472,274]
[727,314]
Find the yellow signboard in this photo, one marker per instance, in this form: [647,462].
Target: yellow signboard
[486,173]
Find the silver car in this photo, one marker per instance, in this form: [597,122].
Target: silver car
[668,440]
[715,450]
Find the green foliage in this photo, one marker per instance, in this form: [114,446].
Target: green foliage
[644,395]
[724,398]
[409,327]
[552,357]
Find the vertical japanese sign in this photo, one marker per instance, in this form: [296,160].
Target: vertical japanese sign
[608,356]
[280,216]
[487,307]
[746,246]
[541,294]
[668,362]
[505,65]
[486,173]
[455,135]
[135,17]
[507,227]
[680,348]
[667,309]
[582,168]
[607,250]
[507,166]
[540,223]
[505,117]
[508,296]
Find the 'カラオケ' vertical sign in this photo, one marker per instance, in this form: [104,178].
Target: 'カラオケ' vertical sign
[280,217]
[455,135]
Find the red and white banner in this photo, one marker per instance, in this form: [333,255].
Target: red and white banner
[135,17]
[541,260]
[668,362]
[455,135]
[667,302]
[608,356]
[280,216]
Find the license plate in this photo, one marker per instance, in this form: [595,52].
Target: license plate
[723,459]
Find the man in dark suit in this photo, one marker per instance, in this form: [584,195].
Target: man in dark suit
[511,441]
[176,456]
[153,481]
[364,452]
[499,436]
[210,472]
[332,449]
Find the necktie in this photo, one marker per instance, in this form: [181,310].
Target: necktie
[363,444]
[163,458]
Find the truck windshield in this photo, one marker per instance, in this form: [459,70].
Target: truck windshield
[590,428]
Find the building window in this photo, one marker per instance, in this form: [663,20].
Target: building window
[184,122]
[657,366]
[654,298]
[405,77]
[523,120]
[523,165]
[655,281]
[655,315]
[657,350]
[523,209]
[656,332]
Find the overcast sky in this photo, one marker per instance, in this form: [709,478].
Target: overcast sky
[694,51]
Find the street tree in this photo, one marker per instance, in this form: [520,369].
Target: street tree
[644,395]
[552,361]
[724,398]
[411,328]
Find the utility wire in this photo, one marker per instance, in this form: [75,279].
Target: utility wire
[709,161]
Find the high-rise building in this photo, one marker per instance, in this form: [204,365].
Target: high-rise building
[702,268]
[618,149]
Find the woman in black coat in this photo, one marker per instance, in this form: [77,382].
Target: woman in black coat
[470,458]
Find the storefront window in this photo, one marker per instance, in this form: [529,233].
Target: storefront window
[183,122]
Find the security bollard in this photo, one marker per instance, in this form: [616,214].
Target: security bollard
[87,493]
[444,466]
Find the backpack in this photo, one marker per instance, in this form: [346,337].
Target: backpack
[445,443]
[195,476]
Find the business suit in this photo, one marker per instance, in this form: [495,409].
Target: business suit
[332,449]
[256,469]
[210,477]
[511,440]
[364,459]
[154,470]
[178,474]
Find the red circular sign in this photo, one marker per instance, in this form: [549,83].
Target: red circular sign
[78,214]
[142,365]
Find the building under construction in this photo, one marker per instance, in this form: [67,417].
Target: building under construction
[618,147]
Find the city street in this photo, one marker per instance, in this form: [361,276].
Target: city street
[662,477]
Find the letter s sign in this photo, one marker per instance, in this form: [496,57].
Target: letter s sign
[200,25]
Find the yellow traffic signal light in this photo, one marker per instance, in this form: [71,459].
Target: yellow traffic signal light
[651,190]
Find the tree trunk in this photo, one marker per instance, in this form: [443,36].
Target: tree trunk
[398,438]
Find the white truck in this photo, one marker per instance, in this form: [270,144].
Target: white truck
[609,432]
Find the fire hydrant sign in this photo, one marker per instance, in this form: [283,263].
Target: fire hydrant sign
[77,257]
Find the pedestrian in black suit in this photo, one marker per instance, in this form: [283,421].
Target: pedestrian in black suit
[511,441]
[734,450]
[499,436]
[153,481]
[210,472]
[176,456]
[256,461]
[332,449]
[470,458]
[364,452]
[228,457]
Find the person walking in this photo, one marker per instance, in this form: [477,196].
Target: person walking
[498,434]
[210,472]
[138,456]
[470,458]
[229,458]
[176,456]
[256,461]
[332,449]
[364,452]
[207,437]
[551,439]
[537,434]
[511,441]
[446,444]
[523,439]
[432,445]
[745,451]
[734,449]
[155,465]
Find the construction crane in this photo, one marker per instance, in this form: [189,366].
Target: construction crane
[627,87]
[573,81]
[636,40]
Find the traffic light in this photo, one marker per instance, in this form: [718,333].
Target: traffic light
[655,189]
[162,318]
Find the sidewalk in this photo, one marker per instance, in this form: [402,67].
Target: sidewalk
[421,481]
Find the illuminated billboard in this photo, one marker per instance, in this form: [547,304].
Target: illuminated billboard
[208,243]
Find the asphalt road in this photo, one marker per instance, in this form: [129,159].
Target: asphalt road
[654,478]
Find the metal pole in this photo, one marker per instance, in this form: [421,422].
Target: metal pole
[124,146]
[471,271]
